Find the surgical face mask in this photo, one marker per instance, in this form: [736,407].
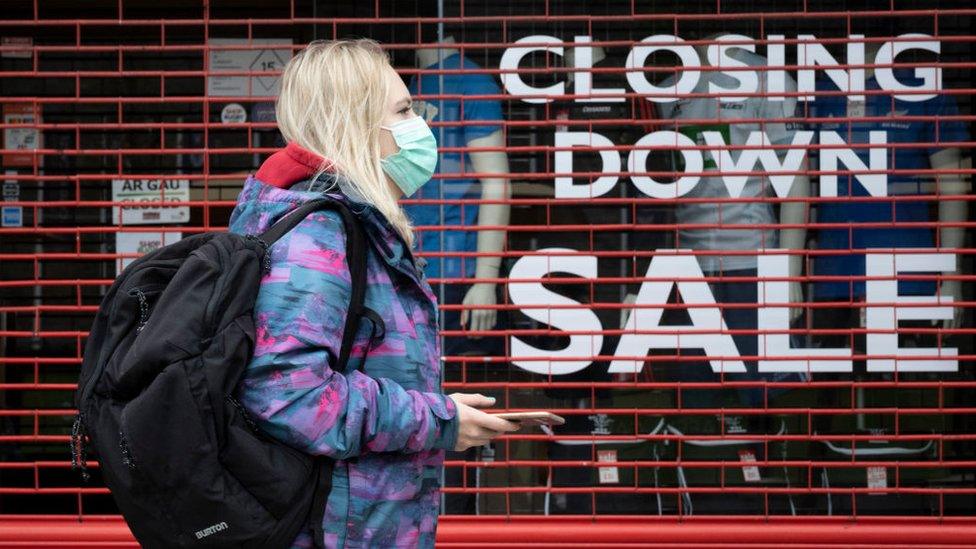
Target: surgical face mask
[414,163]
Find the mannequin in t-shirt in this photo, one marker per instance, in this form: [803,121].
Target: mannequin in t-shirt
[950,211]
[493,188]
[765,227]
[575,114]
[925,130]
[933,135]
[491,169]
[791,214]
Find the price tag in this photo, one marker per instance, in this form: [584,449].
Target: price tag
[608,475]
[750,472]
[877,478]
[26,41]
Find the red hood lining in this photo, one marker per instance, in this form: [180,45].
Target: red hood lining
[290,165]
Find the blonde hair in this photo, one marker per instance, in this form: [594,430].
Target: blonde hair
[332,102]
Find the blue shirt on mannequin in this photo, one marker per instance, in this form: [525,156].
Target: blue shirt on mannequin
[457,114]
[931,134]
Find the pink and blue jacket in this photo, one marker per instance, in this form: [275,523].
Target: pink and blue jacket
[385,419]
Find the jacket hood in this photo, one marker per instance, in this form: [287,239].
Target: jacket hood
[290,165]
[283,183]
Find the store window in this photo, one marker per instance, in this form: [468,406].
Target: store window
[730,242]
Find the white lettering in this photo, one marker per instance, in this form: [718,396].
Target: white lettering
[882,320]
[767,157]
[831,155]
[511,59]
[583,81]
[774,321]
[687,80]
[564,164]
[776,57]
[637,163]
[541,300]
[931,77]
[210,530]
[707,330]
[810,53]
[734,172]
[847,74]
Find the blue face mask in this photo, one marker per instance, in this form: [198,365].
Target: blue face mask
[414,163]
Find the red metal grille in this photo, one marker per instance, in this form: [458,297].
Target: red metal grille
[596,316]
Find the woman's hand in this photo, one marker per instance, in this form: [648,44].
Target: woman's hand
[476,428]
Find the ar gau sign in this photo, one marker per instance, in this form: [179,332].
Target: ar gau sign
[147,197]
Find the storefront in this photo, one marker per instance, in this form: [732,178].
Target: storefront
[730,242]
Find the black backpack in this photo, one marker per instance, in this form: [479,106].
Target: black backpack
[172,337]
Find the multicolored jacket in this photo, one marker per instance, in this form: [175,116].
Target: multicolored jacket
[385,419]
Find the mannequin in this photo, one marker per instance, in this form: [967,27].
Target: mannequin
[482,294]
[693,116]
[950,211]
[707,222]
[790,213]
[948,158]
[929,131]
[490,185]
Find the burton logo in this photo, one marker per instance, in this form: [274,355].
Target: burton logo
[212,529]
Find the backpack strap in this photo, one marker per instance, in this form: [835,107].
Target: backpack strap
[356,258]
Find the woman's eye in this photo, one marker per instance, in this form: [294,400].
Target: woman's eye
[404,110]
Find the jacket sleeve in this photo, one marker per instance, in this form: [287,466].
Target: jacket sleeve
[289,386]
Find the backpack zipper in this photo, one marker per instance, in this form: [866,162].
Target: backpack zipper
[126,454]
[143,308]
[265,253]
[79,432]
[79,452]
[244,415]
[90,382]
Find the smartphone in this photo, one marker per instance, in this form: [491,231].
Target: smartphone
[532,418]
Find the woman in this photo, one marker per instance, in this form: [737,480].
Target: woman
[351,134]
